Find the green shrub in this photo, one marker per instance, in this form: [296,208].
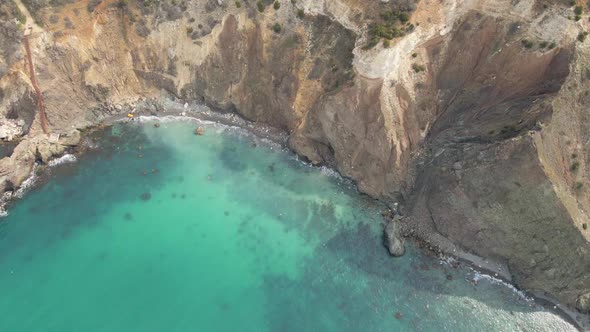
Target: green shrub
[579,185]
[300,13]
[582,36]
[276,5]
[585,226]
[238,4]
[260,5]
[386,43]
[385,31]
[389,28]
[414,55]
[277,28]
[404,17]
[578,10]
[552,45]
[543,44]
[527,43]
[574,167]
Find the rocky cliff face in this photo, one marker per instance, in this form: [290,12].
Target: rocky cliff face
[474,119]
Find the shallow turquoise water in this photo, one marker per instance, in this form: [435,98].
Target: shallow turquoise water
[161,230]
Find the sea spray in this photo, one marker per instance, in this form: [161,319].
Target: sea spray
[478,276]
[65,159]
[28,183]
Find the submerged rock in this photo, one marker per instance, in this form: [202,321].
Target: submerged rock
[200,131]
[145,196]
[393,239]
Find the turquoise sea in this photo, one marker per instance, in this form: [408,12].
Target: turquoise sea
[157,229]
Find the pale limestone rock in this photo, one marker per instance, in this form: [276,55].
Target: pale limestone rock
[70,139]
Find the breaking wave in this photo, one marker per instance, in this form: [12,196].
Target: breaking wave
[65,159]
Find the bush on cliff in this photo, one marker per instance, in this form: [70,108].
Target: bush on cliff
[391,26]
[260,5]
[277,28]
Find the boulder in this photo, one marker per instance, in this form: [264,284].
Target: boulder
[393,239]
[583,303]
[70,139]
[10,129]
[45,150]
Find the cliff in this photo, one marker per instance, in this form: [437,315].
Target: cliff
[472,120]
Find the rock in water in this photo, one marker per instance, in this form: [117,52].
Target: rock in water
[200,131]
[393,239]
[145,196]
[583,303]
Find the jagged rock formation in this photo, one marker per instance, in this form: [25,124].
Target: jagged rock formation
[475,121]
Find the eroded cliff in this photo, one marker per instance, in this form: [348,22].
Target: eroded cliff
[472,119]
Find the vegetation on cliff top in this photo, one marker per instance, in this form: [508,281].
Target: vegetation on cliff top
[392,24]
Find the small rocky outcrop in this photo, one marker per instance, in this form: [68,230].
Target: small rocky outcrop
[393,239]
[70,139]
[11,129]
[583,303]
[45,150]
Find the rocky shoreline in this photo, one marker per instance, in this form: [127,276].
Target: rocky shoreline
[432,243]
[397,229]
[470,116]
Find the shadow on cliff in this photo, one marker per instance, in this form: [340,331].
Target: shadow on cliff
[481,183]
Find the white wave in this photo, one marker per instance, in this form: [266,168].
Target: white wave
[242,128]
[449,261]
[327,171]
[477,276]
[6,197]
[65,159]
[174,118]
[28,183]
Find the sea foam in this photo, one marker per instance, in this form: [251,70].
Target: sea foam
[65,159]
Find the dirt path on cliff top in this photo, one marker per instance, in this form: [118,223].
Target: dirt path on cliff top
[30,22]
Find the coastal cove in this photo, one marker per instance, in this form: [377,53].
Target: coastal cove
[156,228]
